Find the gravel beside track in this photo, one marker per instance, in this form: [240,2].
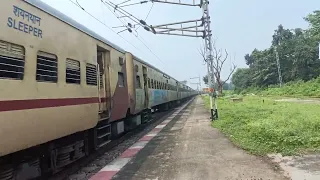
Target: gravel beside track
[87,167]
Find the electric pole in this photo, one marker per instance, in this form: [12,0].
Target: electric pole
[198,84]
[194,28]
[191,28]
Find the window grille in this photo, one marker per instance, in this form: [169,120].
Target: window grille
[11,61]
[47,67]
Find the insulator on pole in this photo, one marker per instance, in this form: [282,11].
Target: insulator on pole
[142,22]
[146,28]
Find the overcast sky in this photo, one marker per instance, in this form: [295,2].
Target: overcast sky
[238,26]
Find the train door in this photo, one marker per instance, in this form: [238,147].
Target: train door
[145,86]
[103,69]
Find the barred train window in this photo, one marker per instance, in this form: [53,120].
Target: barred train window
[73,71]
[11,61]
[149,83]
[138,84]
[47,67]
[121,79]
[91,75]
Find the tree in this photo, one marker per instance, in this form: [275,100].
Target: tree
[205,79]
[219,58]
[314,24]
[241,79]
[298,57]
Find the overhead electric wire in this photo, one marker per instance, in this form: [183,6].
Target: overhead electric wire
[78,5]
[146,16]
[114,13]
[122,11]
[149,11]
[141,2]
[105,3]
[124,2]
[149,48]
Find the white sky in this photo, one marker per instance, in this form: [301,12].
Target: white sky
[239,26]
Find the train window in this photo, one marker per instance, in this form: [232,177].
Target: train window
[149,83]
[152,85]
[73,71]
[120,79]
[91,74]
[138,84]
[47,67]
[11,61]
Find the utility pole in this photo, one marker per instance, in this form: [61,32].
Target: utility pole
[198,28]
[198,84]
[191,28]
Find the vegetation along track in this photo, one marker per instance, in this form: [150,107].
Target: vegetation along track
[90,165]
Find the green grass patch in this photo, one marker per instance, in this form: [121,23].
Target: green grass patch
[269,127]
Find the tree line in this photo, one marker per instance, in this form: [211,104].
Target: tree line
[298,52]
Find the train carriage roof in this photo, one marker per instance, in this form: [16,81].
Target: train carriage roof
[50,10]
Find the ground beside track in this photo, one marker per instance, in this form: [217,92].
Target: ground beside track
[285,130]
[115,166]
[89,166]
[189,148]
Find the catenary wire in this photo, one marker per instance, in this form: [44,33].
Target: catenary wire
[78,5]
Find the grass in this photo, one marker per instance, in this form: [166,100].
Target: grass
[296,88]
[269,127]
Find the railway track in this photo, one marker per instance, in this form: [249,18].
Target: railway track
[90,165]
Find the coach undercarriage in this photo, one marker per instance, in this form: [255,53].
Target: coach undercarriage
[54,156]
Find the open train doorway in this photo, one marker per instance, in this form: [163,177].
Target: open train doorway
[103,61]
[145,86]
[102,132]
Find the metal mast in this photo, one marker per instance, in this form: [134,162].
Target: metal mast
[191,28]
[209,53]
[199,28]
[198,83]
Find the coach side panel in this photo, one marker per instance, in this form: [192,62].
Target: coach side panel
[43,94]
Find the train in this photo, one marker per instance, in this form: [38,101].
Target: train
[66,91]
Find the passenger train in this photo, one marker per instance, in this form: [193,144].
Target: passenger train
[66,91]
